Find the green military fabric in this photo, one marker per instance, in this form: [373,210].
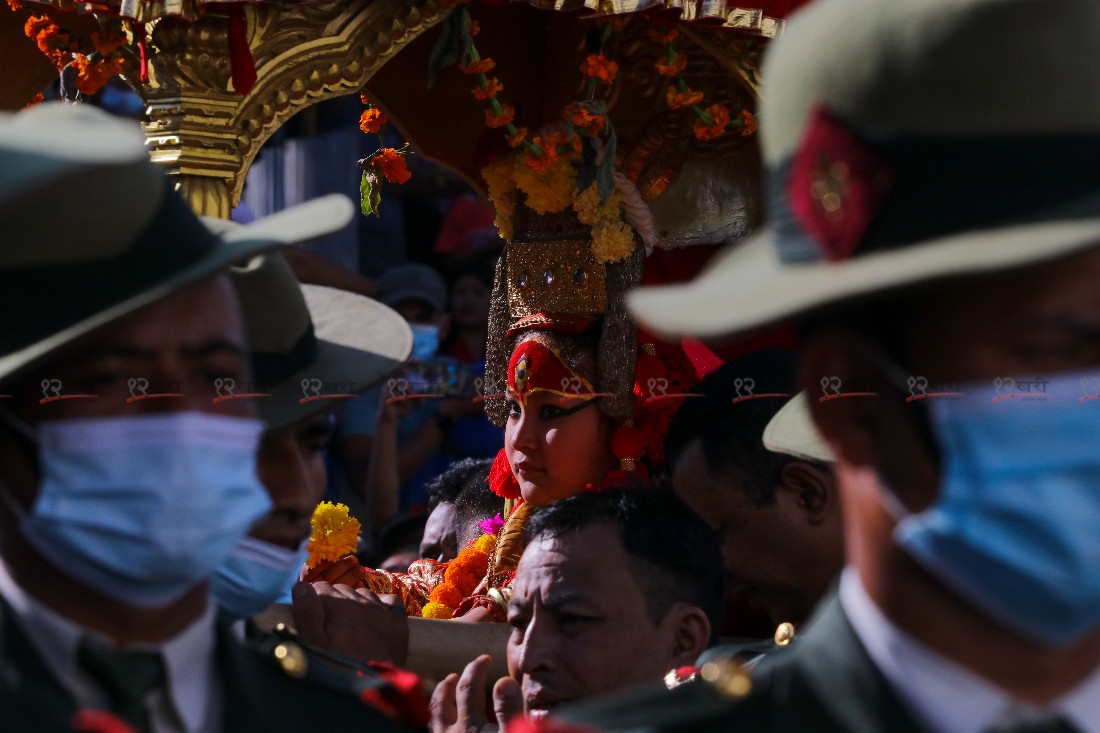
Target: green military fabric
[823,683]
[128,677]
[260,692]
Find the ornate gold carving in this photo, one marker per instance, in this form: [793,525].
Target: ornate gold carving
[206,133]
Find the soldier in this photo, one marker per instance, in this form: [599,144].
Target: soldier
[125,481]
[935,222]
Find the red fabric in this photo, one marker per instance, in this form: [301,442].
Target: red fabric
[402,698]
[536,367]
[143,51]
[467,226]
[501,479]
[241,64]
[99,721]
[832,157]
[701,356]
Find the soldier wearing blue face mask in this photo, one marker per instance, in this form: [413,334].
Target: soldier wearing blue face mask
[126,478]
[937,240]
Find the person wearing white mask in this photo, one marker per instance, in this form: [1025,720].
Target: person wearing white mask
[124,480]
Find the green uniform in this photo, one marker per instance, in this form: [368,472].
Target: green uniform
[823,682]
[268,687]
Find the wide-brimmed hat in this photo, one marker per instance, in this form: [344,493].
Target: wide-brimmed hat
[792,431]
[907,142]
[93,230]
[312,346]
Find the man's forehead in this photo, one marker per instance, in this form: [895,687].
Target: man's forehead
[567,564]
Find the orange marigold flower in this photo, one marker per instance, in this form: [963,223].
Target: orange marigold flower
[663,33]
[677,99]
[674,67]
[108,41]
[478,67]
[516,140]
[748,120]
[507,114]
[15,5]
[37,97]
[721,117]
[36,24]
[446,594]
[364,98]
[600,67]
[589,123]
[391,164]
[372,120]
[492,88]
[91,76]
[549,155]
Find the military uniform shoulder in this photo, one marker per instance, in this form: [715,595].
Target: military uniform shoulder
[275,683]
[720,691]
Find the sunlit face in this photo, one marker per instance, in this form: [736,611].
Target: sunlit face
[580,623]
[291,466]
[556,445]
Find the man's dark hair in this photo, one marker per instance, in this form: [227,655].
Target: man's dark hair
[476,501]
[446,487]
[675,556]
[730,433]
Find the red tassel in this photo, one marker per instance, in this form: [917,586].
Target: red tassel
[241,64]
[143,50]
[501,480]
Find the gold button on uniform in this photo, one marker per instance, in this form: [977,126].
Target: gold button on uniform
[784,633]
[292,659]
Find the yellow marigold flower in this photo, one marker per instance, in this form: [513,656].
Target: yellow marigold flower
[505,226]
[677,99]
[587,205]
[672,68]
[486,543]
[549,190]
[612,241]
[335,534]
[492,88]
[437,610]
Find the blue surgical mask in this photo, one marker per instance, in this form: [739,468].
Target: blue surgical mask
[1016,526]
[142,509]
[425,341]
[256,575]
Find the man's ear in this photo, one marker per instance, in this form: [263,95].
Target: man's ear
[690,630]
[813,490]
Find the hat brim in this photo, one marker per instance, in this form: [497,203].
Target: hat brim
[747,287]
[792,432]
[306,221]
[360,342]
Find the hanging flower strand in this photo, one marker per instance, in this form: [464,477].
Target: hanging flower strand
[385,164]
[710,121]
[62,49]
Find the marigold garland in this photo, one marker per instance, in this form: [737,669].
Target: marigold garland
[598,66]
[460,579]
[385,164]
[710,122]
[62,49]
[335,534]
